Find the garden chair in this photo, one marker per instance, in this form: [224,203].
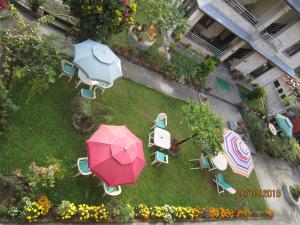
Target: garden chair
[83,168]
[204,163]
[68,69]
[160,158]
[161,121]
[151,139]
[88,93]
[111,191]
[103,86]
[222,185]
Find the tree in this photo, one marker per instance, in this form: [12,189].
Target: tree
[165,14]
[102,18]
[206,127]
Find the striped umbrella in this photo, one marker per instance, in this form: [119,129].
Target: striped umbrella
[237,153]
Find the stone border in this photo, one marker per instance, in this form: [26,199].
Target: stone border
[288,196]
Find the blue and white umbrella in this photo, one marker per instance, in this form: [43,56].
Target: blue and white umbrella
[97,61]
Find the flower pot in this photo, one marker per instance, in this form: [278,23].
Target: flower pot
[138,43]
[288,196]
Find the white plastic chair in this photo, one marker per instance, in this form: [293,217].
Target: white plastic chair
[161,121]
[68,69]
[83,169]
[160,158]
[111,191]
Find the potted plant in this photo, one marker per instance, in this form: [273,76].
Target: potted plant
[35,4]
[292,194]
[83,118]
[168,17]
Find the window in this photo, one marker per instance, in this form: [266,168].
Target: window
[295,48]
[261,70]
[276,83]
[280,91]
[206,21]
[282,96]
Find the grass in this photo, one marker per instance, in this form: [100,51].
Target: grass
[42,129]
[256,104]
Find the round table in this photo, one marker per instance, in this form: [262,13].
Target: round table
[84,79]
[220,161]
[272,129]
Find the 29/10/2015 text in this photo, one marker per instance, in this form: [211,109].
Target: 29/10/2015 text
[258,193]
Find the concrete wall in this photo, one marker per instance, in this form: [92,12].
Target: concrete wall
[262,6]
[295,60]
[213,30]
[268,77]
[249,63]
[290,35]
[194,18]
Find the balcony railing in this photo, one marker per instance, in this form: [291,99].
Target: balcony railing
[201,42]
[241,10]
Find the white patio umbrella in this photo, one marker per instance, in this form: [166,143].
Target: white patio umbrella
[97,61]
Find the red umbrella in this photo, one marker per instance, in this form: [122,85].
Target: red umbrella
[115,155]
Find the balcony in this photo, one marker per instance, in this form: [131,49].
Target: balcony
[258,25]
[201,42]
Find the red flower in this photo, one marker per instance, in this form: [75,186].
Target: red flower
[125,2]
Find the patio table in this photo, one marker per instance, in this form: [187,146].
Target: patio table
[162,138]
[83,79]
[272,129]
[220,161]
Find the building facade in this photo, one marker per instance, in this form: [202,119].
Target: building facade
[260,38]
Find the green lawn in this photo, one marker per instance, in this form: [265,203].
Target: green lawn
[42,128]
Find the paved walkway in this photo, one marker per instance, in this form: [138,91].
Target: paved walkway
[271,173]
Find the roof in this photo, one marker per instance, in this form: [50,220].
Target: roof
[295,4]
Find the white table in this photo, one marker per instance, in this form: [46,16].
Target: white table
[161,138]
[84,79]
[272,129]
[220,161]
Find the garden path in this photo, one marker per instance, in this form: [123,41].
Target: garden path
[271,173]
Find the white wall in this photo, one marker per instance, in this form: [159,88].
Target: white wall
[290,36]
[268,77]
[250,63]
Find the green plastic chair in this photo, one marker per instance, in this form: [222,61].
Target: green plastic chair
[222,185]
[68,69]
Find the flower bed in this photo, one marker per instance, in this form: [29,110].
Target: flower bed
[194,73]
[68,211]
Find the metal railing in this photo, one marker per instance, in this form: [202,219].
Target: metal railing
[241,10]
[201,42]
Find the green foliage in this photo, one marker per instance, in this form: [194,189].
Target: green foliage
[41,179]
[275,146]
[295,191]
[289,100]
[184,66]
[3,210]
[205,69]
[256,93]
[41,68]
[13,211]
[125,213]
[36,3]
[101,19]
[6,106]
[206,125]
[165,14]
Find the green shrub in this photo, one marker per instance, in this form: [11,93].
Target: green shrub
[3,210]
[256,93]
[205,68]
[289,100]
[125,213]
